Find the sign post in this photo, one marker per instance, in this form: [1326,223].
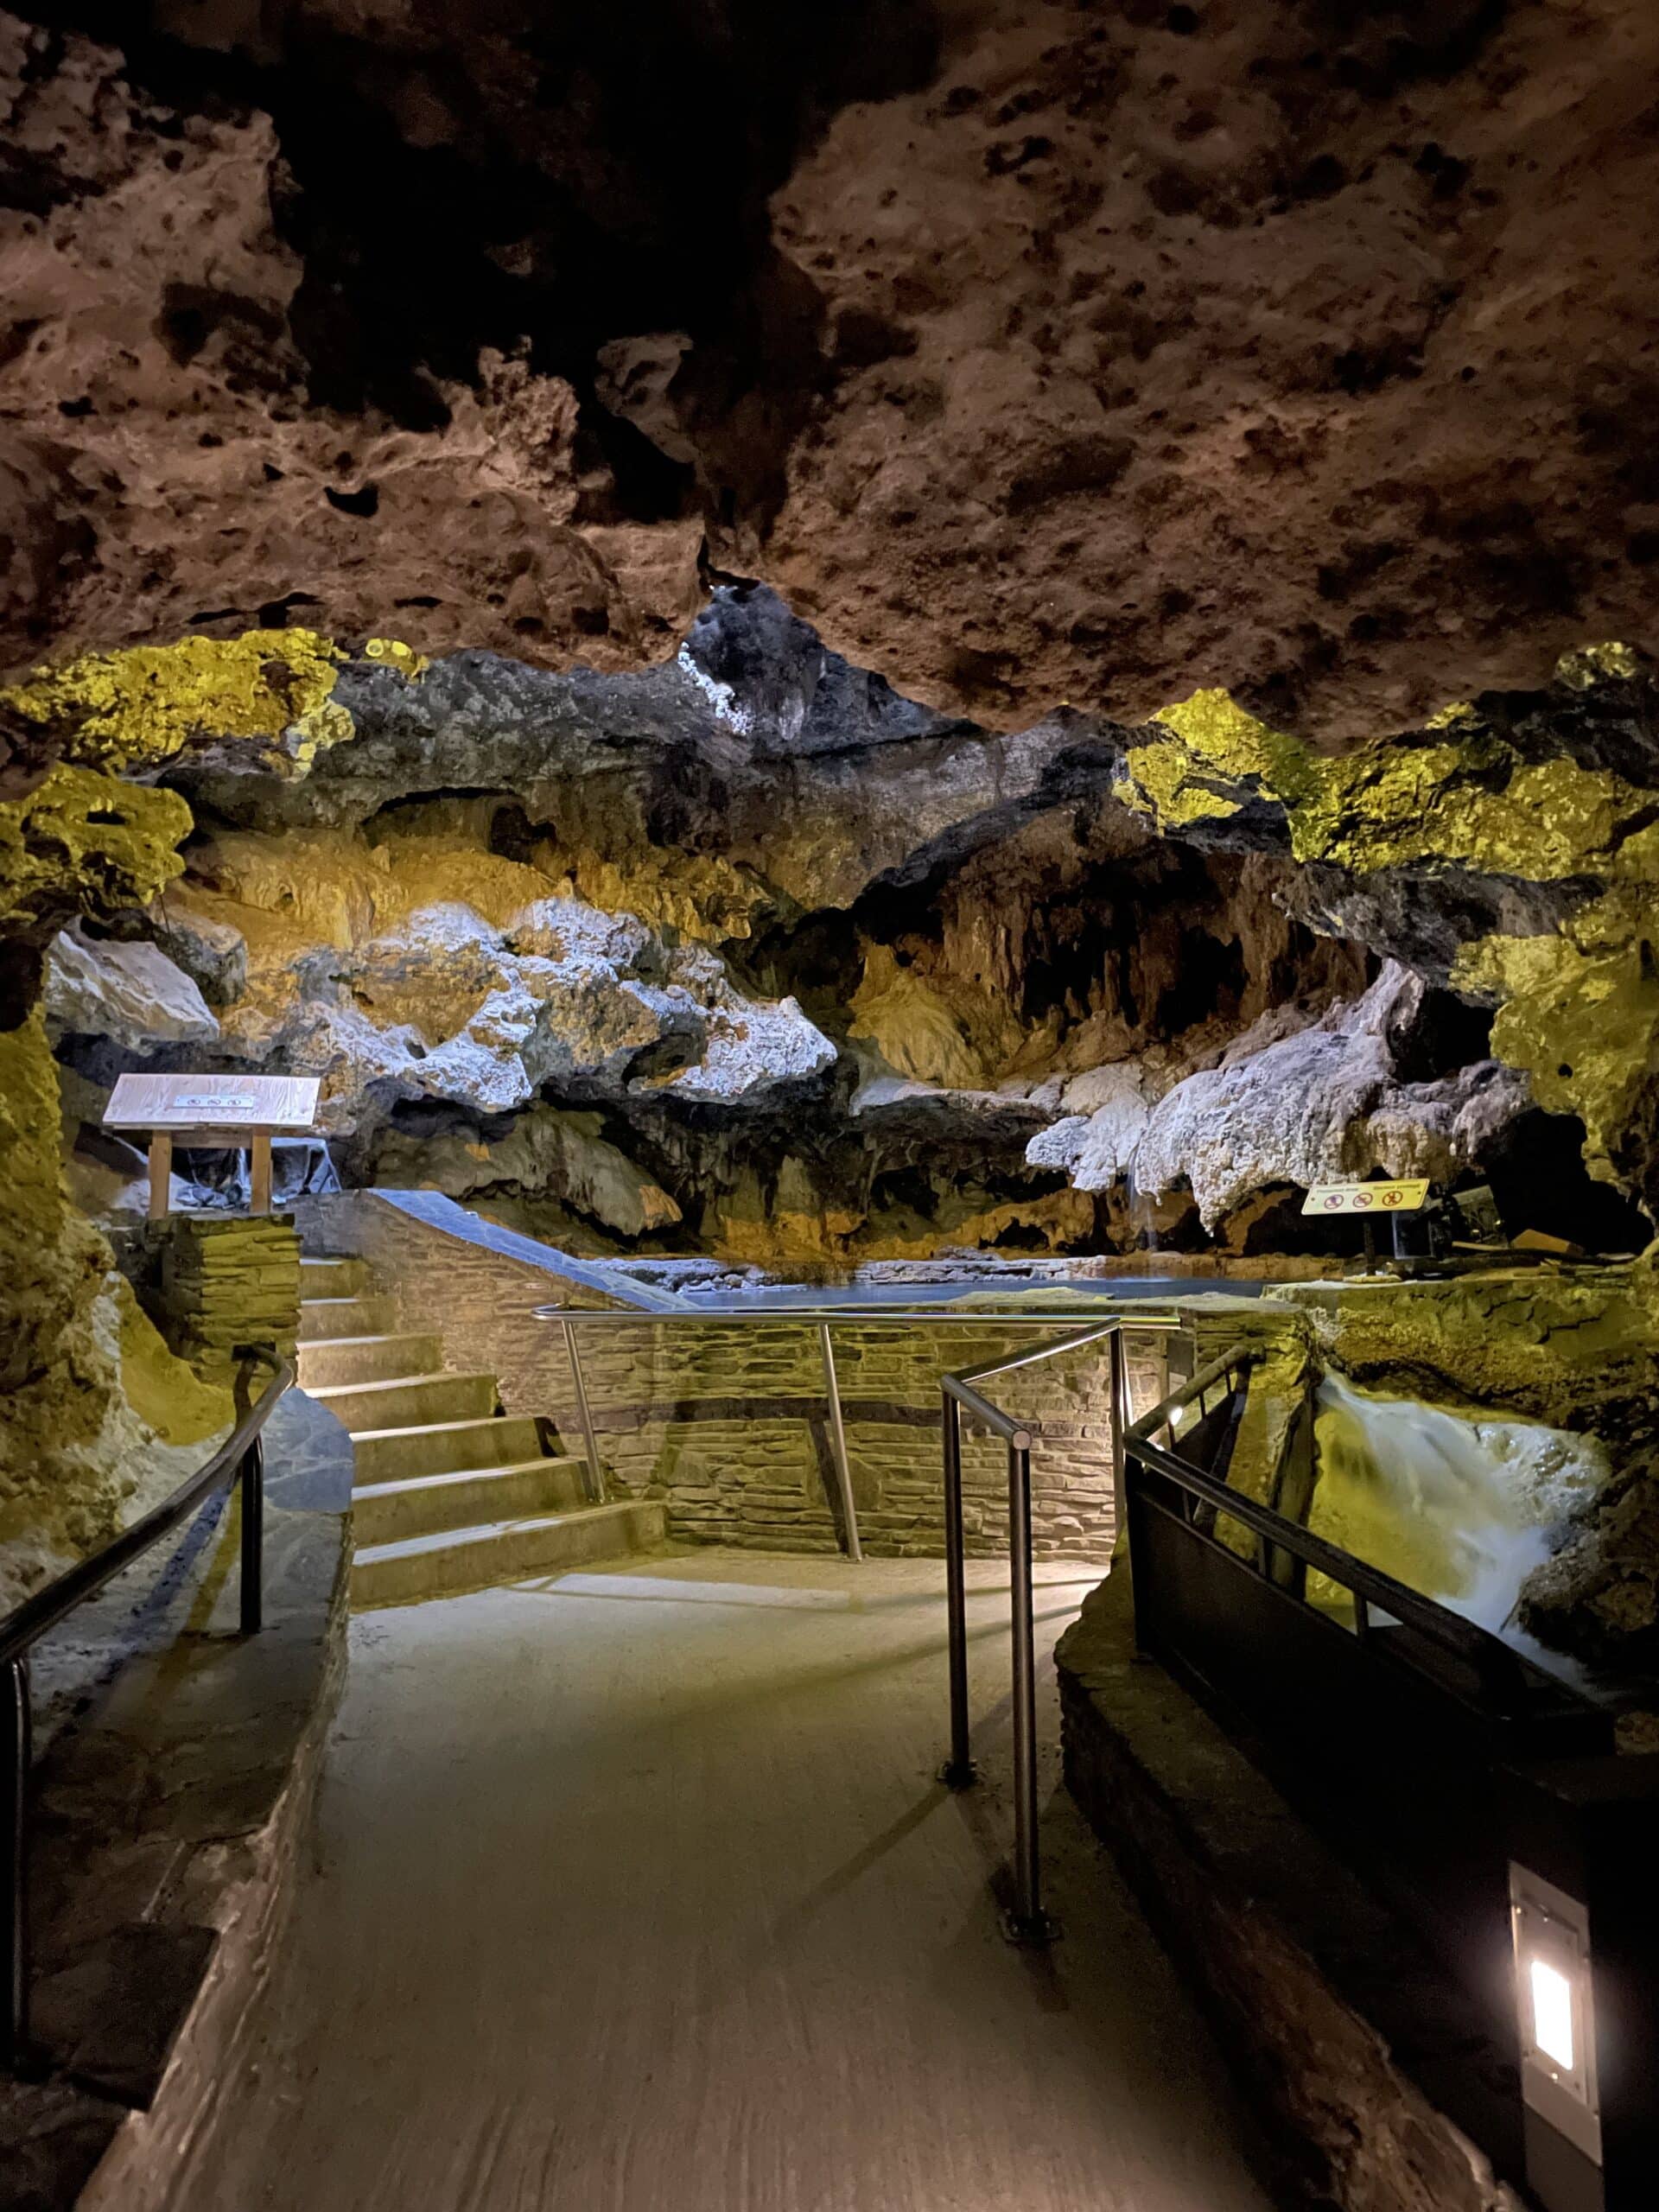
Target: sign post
[233,1110]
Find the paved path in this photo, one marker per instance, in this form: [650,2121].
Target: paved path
[634,1894]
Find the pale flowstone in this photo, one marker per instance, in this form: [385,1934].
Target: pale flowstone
[131,993]
[432,999]
[1321,1105]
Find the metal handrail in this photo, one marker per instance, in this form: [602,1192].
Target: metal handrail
[1025,1922]
[1226,1367]
[240,1459]
[822,1319]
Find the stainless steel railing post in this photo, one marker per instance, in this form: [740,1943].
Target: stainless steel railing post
[596,1480]
[15,1745]
[1120,1426]
[958,1771]
[1027,1923]
[838,1445]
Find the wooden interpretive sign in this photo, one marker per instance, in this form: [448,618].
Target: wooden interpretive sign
[1408,1197]
[211,1110]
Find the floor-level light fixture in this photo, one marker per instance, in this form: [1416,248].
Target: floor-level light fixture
[1556,1994]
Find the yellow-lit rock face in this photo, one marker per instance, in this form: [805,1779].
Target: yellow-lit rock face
[1579,1011]
[1395,806]
[1559,1348]
[165,1392]
[269,689]
[1577,1007]
[1214,758]
[85,842]
[98,1420]
[915,1028]
[1469,801]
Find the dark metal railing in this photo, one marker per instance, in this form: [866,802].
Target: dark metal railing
[240,1460]
[1166,1479]
[1025,1922]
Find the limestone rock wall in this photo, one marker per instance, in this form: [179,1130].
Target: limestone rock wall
[1037,354]
[99,1419]
[749,953]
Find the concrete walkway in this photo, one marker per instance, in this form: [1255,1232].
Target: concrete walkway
[635,1894]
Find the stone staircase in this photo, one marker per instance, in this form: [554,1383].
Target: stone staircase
[450,1493]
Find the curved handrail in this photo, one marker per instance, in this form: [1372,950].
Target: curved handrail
[823,1319]
[959,1385]
[240,1459]
[1027,1923]
[1239,1361]
[756,1317]
[26,1623]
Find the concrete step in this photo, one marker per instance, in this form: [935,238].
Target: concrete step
[367,1316]
[402,1573]
[385,1513]
[333,1277]
[409,1401]
[369,1359]
[389,1455]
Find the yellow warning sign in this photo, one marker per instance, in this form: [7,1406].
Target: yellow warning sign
[1366,1198]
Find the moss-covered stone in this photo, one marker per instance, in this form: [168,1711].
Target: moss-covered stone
[1215,759]
[1469,799]
[1471,804]
[97,1418]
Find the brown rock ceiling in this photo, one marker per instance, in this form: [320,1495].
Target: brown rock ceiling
[1035,352]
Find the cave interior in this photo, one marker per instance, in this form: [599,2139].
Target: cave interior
[948,650]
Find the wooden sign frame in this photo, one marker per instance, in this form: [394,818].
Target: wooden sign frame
[233,1111]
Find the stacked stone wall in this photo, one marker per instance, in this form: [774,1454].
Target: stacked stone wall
[729,1424]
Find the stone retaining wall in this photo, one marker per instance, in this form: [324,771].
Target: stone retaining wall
[728,1425]
[1342,2029]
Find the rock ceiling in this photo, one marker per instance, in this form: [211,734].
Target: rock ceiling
[1036,354]
[1011,538]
